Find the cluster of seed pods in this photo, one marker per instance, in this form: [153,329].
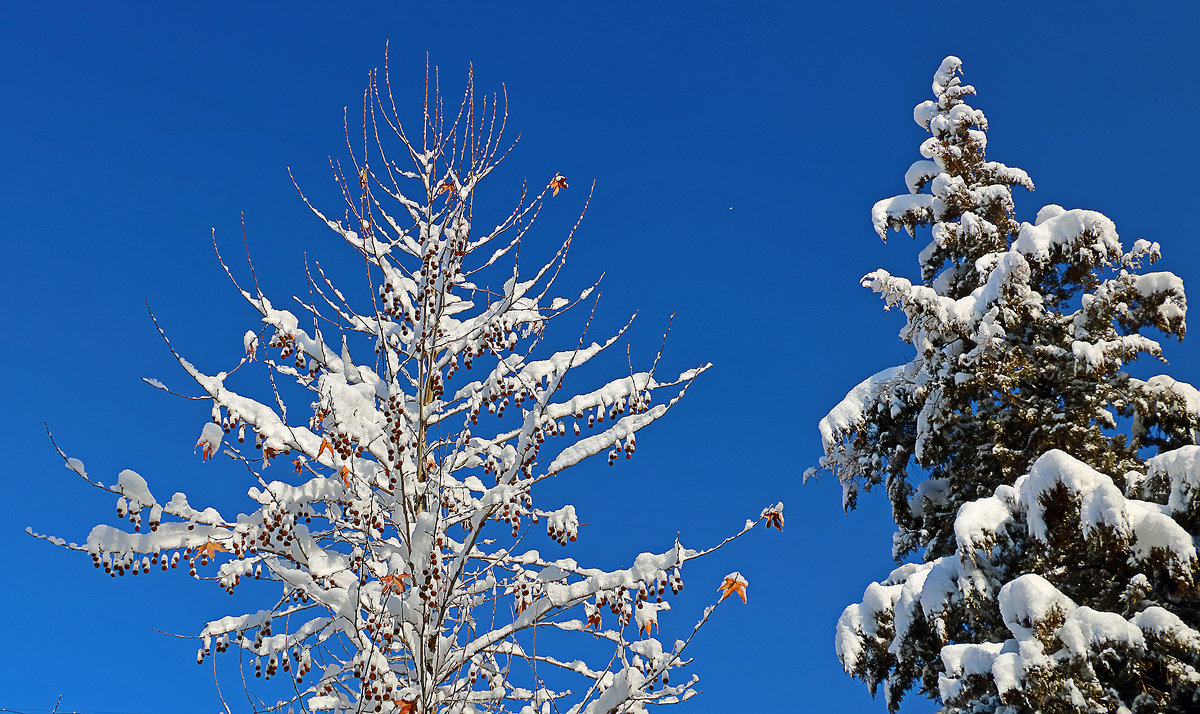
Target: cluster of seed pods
[399,433]
[382,628]
[525,591]
[133,510]
[618,600]
[341,443]
[286,343]
[394,307]
[498,336]
[516,505]
[275,660]
[360,516]
[431,573]
[133,563]
[618,604]
[229,422]
[260,635]
[278,529]
[455,500]
[563,525]
[657,588]
[380,686]
[647,671]
[627,447]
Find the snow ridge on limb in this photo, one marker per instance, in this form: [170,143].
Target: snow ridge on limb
[1049,495]
[398,512]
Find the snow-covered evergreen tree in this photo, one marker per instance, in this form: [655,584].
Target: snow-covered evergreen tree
[1054,499]
[396,509]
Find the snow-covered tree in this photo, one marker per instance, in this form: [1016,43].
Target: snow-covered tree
[1054,499]
[395,504]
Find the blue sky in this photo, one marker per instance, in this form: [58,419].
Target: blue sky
[736,151]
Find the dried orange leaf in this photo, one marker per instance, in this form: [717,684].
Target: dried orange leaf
[394,583]
[733,583]
[211,548]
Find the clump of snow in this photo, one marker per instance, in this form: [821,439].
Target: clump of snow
[1156,620]
[250,344]
[900,210]
[1076,230]
[1102,504]
[1178,473]
[77,466]
[917,177]
[1086,630]
[210,438]
[978,522]
[848,413]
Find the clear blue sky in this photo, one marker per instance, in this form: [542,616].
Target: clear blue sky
[736,148]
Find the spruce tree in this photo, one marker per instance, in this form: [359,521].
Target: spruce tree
[1053,498]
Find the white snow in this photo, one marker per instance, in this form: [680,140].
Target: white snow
[848,413]
[1103,504]
[1076,230]
[919,175]
[1029,600]
[897,210]
[250,343]
[1180,470]
[210,437]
